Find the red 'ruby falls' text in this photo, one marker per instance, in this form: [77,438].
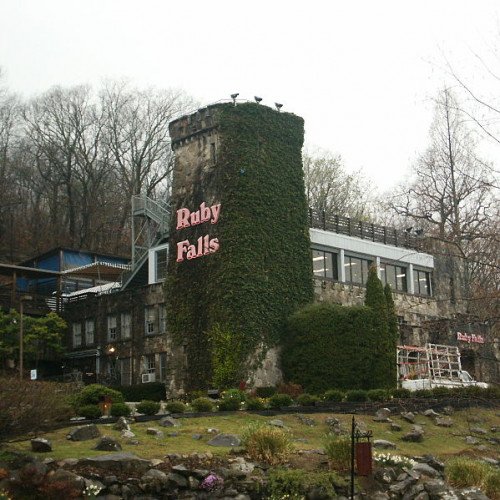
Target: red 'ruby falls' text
[204,245]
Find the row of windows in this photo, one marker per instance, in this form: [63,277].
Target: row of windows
[155,365]
[155,321]
[325,265]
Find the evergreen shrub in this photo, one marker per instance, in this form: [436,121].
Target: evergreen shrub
[307,400]
[148,407]
[229,404]
[334,395]
[265,392]
[327,345]
[338,450]
[153,391]
[92,394]
[280,401]
[401,393]
[256,404]
[120,410]
[91,412]
[202,404]
[293,390]
[267,443]
[423,394]
[356,396]
[378,395]
[175,407]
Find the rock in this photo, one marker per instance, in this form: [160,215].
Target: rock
[177,480]
[471,440]
[306,420]
[443,421]
[93,484]
[133,442]
[169,422]
[213,430]
[122,424]
[122,462]
[172,434]
[494,429]
[413,436]
[448,410]
[276,423]
[181,469]
[491,461]
[408,416]
[84,433]
[474,419]
[153,431]
[472,494]
[196,437]
[385,475]
[382,415]
[154,480]
[41,445]
[426,470]
[107,443]
[396,428]
[67,477]
[415,490]
[65,462]
[385,445]
[225,440]
[331,421]
[479,430]
[431,413]
[435,487]
[421,496]
[402,486]
[378,495]
[109,480]
[244,467]
[127,434]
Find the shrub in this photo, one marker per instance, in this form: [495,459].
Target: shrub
[378,395]
[229,404]
[202,404]
[235,394]
[297,483]
[356,396]
[175,407]
[401,393]
[442,391]
[423,394]
[256,404]
[90,412]
[120,410]
[30,406]
[307,400]
[93,394]
[148,407]
[196,394]
[265,392]
[267,443]
[153,391]
[333,395]
[293,390]
[338,450]
[465,472]
[280,401]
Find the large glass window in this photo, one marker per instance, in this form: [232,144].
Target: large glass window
[161,264]
[125,371]
[325,265]
[89,331]
[395,276]
[149,365]
[163,318]
[126,325]
[77,334]
[356,269]
[150,320]
[163,366]
[112,330]
[421,282]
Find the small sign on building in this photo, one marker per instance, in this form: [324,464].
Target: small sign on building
[33,375]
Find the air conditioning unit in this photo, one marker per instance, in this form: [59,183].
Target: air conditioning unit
[148,377]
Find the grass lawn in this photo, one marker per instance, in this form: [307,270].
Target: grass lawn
[438,441]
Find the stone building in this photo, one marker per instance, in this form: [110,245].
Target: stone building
[124,337]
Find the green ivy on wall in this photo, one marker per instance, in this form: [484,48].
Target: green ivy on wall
[262,272]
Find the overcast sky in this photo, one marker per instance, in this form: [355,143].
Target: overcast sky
[362,74]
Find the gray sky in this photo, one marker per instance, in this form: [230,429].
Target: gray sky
[362,74]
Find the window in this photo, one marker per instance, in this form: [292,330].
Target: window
[163,366]
[149,320]
[395,276]
[125,371]
[126,324]
[161,257]
[163,318]
[421,282]
[356,269]
[149,363]
[325,265]
[89,331]
[111,328]
[77,334]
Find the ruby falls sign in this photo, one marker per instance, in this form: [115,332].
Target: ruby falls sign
[204,245]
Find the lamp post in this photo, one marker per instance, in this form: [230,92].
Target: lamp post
[21,333]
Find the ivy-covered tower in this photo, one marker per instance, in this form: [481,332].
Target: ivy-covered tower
[239,251]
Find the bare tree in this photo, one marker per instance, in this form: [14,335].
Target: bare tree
[331,189]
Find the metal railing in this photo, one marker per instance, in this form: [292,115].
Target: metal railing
[364,230]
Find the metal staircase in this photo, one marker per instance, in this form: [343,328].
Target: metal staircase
[150,225]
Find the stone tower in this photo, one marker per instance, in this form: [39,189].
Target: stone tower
[239,260]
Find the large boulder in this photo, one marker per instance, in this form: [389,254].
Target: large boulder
[107,443]
[84,433]
[444,422]
[41,445]
[408,416]
[229,440]
[382,415]
[122,424]
[118,462]
[383,444]
[169,422]
[65,476]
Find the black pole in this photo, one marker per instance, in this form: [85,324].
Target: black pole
[353,425]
